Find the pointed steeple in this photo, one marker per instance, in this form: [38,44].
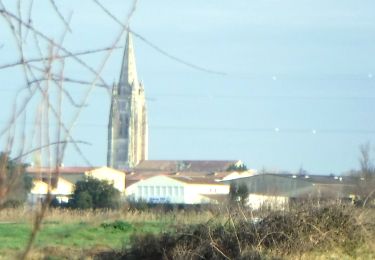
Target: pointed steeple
[127,128]
[128,77]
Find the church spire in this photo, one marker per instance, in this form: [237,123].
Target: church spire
[128,77]
[127,128]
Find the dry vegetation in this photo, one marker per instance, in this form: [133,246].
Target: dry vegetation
[309,232]
[323,233]
[19,215]
[39,57]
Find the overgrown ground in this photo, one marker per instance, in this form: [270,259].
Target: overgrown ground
[72,239]
[68,234]
[306,233]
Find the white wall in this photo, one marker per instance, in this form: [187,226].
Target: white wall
[161,189]
[158,189]
[257,201]
[63,187]
[193,191]
[115,177]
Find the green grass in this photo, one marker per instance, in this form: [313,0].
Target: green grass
[83,235]
[13,236]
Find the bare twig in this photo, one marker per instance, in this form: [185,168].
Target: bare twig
[48,145]
[37,224]
[235,230]
[51,41]
[368,197]
[214,245]
[57,57]
[59,14]
[154,46]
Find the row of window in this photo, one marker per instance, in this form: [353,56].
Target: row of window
[160,191]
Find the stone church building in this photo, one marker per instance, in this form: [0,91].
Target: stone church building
[127,130]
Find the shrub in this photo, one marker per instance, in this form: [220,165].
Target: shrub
[14,183]
[239,192]
[94,193]
[117,225]
[83,200]
[237,168]
[281,233]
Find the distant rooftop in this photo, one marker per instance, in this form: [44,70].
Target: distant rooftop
[186,165]
[131,179]
[321,179]
[63,169]
[36,170]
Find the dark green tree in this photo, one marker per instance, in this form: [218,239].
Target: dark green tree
[237,168]
[14,183]
[238,193]
[96,194]
[84,200]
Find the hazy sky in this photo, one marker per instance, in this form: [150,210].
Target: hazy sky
[299,88]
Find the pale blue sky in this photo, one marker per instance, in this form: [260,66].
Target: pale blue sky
[298,66]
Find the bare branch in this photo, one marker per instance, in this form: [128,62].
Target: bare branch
[59,14]
[57,57]
[51,41]
[152,45]
[47,145]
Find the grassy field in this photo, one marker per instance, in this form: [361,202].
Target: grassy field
[74,234]
[83,234]
[67,234]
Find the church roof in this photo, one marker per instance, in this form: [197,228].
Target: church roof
[185,165]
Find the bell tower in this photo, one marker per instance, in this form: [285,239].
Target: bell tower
[127,127]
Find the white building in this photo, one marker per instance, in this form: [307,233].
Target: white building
[277,191]
[176,190]
[40,189]
[267,201]
[65,178]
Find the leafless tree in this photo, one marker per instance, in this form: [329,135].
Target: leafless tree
[45,81]
[44,85]
[366,174]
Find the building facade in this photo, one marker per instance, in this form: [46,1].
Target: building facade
[65,179]
[176,190]
[277,191]
[127,129]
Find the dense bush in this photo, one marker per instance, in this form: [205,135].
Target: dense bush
[94,193]
[83,200]
[117,225]
[238,192]
[237,168]
[14,183]
[280,233]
